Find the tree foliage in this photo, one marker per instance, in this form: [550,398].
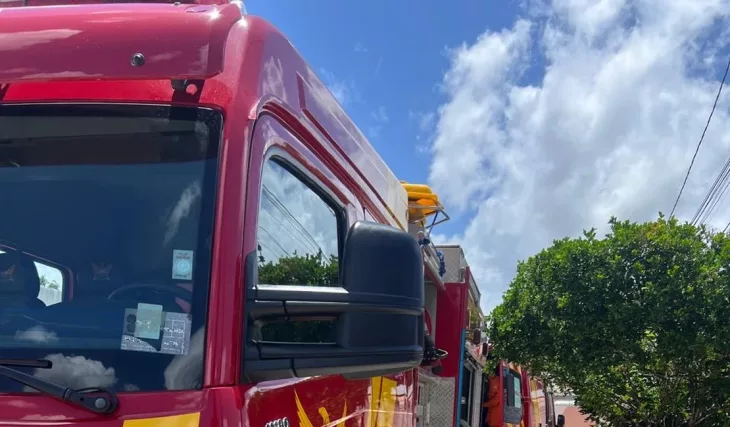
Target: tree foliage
[51,284]
[311,270]
[636,324]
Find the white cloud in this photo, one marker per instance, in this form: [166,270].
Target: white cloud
[292,218]
[380,117]
[425,122]
[77,372]
[190,195]
[37,334]
[608,129]
[344,91]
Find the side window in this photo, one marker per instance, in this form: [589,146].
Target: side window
[298,244]
[52,280]
[518,392]
[52,283]
[297,231]
[509,394]
[512,397]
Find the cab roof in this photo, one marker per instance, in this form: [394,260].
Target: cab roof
[169,41]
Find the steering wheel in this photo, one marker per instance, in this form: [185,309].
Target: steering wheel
[174,290]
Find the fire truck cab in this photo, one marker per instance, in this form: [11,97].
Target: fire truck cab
[192,230]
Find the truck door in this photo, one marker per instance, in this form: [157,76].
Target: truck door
[302,211]
[512,388]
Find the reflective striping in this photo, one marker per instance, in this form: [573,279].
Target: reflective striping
[386,410]
[185,420]
[381,411]
[304,419]
[301,414]
[375,384]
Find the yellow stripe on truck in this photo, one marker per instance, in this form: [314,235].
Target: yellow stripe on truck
[380,413]
[384,406]
[185,420]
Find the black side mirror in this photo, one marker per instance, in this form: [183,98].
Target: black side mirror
[476,337]
[561,420]
[377,312]
[485,350]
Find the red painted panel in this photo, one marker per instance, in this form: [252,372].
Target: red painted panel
[82,42]
[451,309]
[332,400]
[329,117]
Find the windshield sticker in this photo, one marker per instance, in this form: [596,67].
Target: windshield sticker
[176,337]
[182,265]
[175,330]
[149,321]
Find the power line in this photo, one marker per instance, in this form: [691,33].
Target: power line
[277,256]
[276,242]
[711,211]
[711,197]
[286,214]
[716,194]
[294,240]
[709,118]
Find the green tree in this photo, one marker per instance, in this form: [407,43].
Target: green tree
[636,324]
[311,270]
[51,284]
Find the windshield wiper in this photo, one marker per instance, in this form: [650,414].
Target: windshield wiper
[106,403]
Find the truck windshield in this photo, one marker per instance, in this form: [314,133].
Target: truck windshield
[106,221]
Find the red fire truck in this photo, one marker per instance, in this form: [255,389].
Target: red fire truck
[194,233]
[516,398]
[461,391]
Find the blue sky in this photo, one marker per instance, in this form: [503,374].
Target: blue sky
[387,59]
[532,119]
